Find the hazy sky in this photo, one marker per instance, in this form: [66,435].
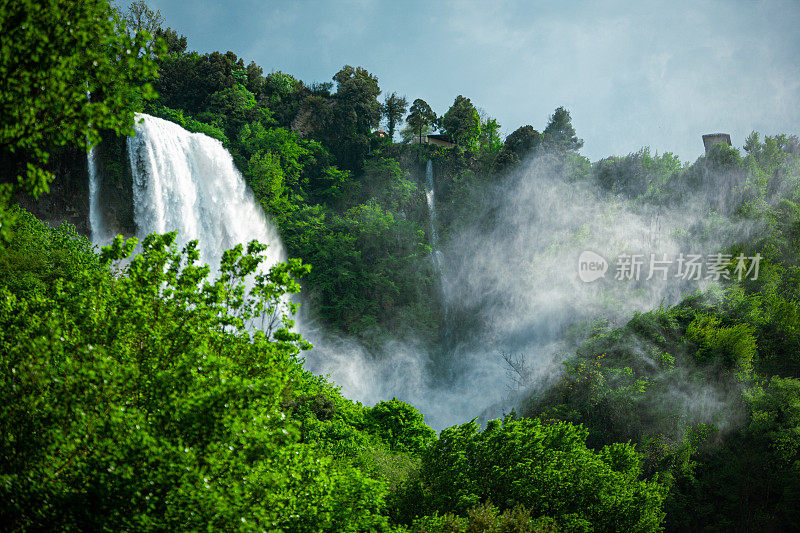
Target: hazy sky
[632,74]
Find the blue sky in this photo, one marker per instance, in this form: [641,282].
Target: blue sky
[632,74]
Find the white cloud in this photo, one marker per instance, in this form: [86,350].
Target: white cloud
[633,74]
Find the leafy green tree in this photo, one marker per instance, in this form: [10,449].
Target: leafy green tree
[733,346]
[462,123]
[355,114]
[284,95]
[139,397]
[268,181]
[408,134]
[175,44]
[420,116]
[139,17]
[52,54]
[546,468]
[187,81]
[281,84]
[370,265]
[638,174]
[489,142]
[751,481]
[394,107]
[559,132]
[775,417]
[255,138]
[752,144]
[231,108]
[401,426]
[521,142]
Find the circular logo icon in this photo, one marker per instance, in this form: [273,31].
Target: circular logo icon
[591,266]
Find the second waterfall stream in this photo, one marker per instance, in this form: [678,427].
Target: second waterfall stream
[430,195]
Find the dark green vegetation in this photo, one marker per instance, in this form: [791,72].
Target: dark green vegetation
[135,395]
[739,344]
[46,69]
[346,201]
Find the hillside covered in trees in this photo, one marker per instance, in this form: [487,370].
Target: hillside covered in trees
[139,392]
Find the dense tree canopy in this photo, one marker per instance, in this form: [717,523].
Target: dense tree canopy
[547,469]
[51,55]
[188,430]
[137,393]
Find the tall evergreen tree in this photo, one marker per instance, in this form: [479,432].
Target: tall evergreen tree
[462,122]
[560,133]
[394,107]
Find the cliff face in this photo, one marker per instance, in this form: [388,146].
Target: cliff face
[68,199]
[116,186]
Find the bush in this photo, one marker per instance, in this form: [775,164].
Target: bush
[733,346]
[548,469]
[401,426]
[187,122]
[141,401]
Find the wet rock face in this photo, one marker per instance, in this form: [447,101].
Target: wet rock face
[116,186]
[68,199]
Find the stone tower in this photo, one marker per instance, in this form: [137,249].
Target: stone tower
[711,139]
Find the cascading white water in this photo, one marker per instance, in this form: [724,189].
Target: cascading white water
[99,231]
[434,235]
[188,182]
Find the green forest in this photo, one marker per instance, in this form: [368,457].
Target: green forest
[136,394]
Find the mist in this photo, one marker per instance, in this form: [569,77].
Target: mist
[511,287]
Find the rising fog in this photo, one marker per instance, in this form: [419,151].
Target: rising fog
[511,287]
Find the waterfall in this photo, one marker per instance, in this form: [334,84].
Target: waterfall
[434,235]
[188,182]
[99,231]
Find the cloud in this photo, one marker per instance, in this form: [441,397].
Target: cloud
[633,74]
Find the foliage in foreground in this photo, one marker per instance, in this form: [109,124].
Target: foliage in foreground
[545,470]
[137,397]
[140,400]
[51,55]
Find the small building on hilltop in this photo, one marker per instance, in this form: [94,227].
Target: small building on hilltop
[711,139]
[439,140]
